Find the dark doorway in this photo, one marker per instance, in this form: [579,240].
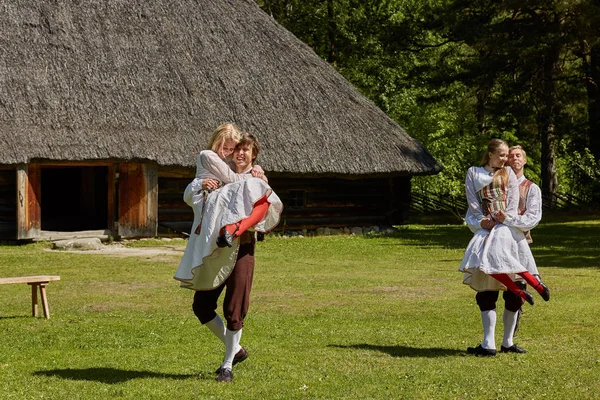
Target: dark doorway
[74,198]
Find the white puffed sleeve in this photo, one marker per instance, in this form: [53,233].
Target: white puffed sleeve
[474,212]
[210,161]
[193,187]
[533,215]
[512,194]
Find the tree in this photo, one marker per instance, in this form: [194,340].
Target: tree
[456,72]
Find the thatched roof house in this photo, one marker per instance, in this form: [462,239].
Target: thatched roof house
[115,84]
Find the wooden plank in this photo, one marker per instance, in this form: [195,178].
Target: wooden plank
[29,279]
[29,190]
[138,200]
[176,172]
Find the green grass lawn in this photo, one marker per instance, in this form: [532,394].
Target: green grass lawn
[330,318]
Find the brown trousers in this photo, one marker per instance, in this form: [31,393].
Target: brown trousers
[237,295]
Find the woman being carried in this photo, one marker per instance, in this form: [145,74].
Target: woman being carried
[223,210]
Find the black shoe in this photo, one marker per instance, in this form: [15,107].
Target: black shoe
[225,375]
[545,292]
[528,297]
[226,239]
[238,358]
[480,351]
[512,349]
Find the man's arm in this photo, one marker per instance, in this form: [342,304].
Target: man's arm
[533,215]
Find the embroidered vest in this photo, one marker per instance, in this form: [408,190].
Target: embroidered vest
[523,192]
[492,197]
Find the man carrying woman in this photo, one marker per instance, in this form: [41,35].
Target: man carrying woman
[498,254]
[208,268]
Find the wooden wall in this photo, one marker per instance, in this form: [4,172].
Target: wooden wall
[309,203]
[138,200]
[174,216]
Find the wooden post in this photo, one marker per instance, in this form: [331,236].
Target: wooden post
[44,300]
[138,200]
[29,188]
[34,299]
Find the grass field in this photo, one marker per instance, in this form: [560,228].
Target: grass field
[330,318]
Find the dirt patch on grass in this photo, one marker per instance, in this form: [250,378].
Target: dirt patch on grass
[123,251]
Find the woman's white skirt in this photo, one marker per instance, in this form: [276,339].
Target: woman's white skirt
[205,266]
[503,250]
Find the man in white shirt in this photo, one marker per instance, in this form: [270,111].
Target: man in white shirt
[530,199]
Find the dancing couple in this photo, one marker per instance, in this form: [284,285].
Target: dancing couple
[229,197]
[498,256]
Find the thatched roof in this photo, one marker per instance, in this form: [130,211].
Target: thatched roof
[151,79]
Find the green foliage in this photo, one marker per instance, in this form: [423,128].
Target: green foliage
[388,319]
[455,73]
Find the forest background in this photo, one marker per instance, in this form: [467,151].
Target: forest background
[455,73]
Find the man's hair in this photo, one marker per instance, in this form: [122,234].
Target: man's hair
[249,139]
[518,147]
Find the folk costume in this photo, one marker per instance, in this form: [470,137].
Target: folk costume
[205,266]
[502,250]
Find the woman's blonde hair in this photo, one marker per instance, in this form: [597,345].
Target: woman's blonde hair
[223,133]
[493,146]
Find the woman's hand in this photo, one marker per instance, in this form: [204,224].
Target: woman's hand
[257,172]
[499,216]
[487,223]
[210,184]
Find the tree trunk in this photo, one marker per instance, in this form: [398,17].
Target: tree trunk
[547,127]
[592,80]
[331,28]
[482,96]
[549,176]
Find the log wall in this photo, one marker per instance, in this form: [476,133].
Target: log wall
[309,203]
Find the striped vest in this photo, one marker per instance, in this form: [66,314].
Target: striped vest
[493,196]
[523,192]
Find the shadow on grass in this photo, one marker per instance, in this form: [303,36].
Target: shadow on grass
[404,351]
[109,375]
[573,245]
[445,236]
[568,246]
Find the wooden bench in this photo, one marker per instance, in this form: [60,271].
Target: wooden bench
[34,282]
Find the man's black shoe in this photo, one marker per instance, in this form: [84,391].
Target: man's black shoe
[480,351]
[238,358]
[225,375]
[512,349]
